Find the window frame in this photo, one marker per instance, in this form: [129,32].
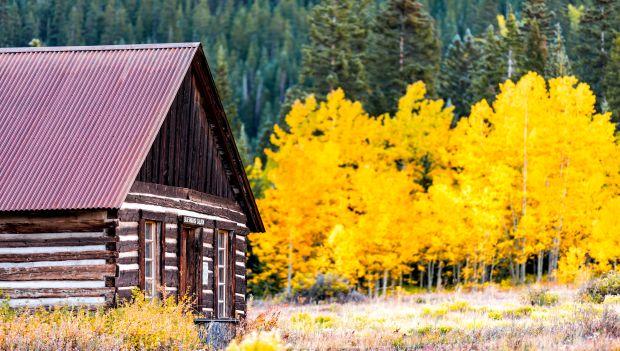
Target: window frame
[152,281]
[157,255]
[222,275]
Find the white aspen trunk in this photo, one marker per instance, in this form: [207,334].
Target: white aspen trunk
[289,274]
[510,64]
[539,266]
[524,190]
[429,275]
[385,282]
[513,272]
[439,269]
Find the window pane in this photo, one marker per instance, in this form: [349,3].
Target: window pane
[148,269]
[220,292]
[148,251]
[148,231]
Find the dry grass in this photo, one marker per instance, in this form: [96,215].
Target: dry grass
[140,325]
[492,319]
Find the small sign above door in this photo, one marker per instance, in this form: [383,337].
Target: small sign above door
[199,222]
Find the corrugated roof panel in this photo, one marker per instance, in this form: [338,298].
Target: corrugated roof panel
[77,122]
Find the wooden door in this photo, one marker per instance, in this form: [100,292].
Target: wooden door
[190,264]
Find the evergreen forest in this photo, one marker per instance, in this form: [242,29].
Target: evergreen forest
[267,53]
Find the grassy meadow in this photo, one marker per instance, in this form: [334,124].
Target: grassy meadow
[491,319]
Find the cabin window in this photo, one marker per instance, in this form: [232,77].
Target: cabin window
[152,233]
[223,285]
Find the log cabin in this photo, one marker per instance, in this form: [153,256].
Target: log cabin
[118,170]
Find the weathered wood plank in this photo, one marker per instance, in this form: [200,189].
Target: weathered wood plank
[58,256]
[127,278]
[187,205]
[58,242]
[127,246]
[98,272]
[52,225]
[56,292]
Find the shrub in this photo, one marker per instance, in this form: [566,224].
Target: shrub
[434,312]
[518,312]
[264,322]
[612,300]
[139,325]
[324,321]
[541,297]
[326,287]
[154,324]
[459,306]
[257,342]
[597,289]
[496,315]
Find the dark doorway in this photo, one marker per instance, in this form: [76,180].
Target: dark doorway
[190,265]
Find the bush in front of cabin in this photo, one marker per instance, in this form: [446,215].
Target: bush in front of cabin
[154,324]
[137,325]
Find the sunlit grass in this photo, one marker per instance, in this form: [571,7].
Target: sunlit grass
[489,319]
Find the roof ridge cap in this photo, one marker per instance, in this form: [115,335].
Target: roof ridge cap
[48,49]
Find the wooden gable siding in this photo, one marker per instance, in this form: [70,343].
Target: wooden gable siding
[186,152]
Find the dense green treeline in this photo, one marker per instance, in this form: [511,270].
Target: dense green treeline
[266,53]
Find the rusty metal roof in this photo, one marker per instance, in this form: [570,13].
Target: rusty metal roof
[77,122]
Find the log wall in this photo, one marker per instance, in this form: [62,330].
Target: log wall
[169,205]
[58,258]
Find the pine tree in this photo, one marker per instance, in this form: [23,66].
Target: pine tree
[536,10]
[334,56]
[93,23]
[225,91]
[404,49]
[202,20]
[595,37]
[108,36]
[612,83]
[536,49]
[9,24]
[490,69]
[558,64]
[57,21]
[486,14]
[514,47]
[75,30]
[456,74]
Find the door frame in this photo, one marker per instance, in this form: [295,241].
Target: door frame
[184,229]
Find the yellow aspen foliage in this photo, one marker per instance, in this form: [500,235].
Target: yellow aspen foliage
[342,188]
[546,157]
[533,176]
